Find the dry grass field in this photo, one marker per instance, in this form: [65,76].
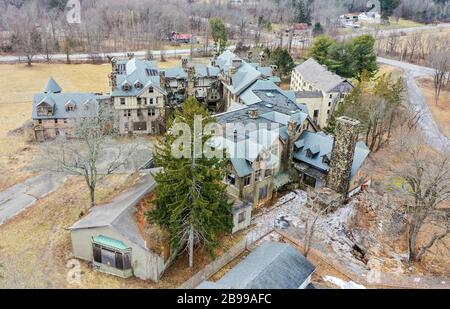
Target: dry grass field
[440,111]
[18,84]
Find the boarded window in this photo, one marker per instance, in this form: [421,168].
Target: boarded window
[241,217]
[119,260]
[263,193]
[97,253]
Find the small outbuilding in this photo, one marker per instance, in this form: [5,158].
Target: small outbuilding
[110,237]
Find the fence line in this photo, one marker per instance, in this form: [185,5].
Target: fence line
[215,265]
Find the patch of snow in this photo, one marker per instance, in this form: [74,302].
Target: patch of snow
[350,285]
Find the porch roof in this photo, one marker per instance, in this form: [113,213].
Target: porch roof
[110,242]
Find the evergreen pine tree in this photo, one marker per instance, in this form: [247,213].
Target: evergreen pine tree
[191,202]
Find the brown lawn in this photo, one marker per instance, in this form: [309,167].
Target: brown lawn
[440,111]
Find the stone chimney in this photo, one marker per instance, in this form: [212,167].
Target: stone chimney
[113,80]
[346,136]
[293,136]
[184,63]
[253,113]
[114,67]
[162,79]
[191,80]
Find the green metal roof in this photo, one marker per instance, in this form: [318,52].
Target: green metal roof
[109,242]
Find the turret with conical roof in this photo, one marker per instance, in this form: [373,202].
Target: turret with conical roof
[52,86]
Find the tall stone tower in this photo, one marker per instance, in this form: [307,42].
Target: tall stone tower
[191,80]
[346,136]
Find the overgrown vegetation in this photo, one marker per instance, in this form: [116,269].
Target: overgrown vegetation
[348,59]
[376,104]
[191,202]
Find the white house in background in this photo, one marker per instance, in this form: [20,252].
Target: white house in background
[370,17]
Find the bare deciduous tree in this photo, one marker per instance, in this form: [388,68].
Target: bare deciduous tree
[427,184]
[439,60]
[311,221]
[87,155]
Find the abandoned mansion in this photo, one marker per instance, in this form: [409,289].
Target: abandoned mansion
[290,149]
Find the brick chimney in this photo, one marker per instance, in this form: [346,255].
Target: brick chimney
[346,136]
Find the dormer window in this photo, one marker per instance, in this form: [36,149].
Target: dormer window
[70,106]
[44,109]
[151,90]
[138,85]
[126,87]
[326,159]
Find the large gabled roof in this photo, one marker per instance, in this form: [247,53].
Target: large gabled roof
[85,104]
[270,266]
[319,76]
[144,72]
[244,76]
[119,215]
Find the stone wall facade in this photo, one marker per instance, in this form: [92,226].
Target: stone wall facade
[346,136]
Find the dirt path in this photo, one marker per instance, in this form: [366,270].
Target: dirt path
[17,198]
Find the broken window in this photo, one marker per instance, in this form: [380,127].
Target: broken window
[151,112]
[139,101]
[247,181]
[231,179]
[122,101]
[257,175]
[140,126]
[263,193]
[139,113]
[151,90]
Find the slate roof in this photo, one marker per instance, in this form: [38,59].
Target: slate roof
[119,215]
[308,94]
[270,266]
[52,86]
[265,71]
[202,71]
[145,72]
[274,116]
[321,144]
[59,101]
[318,76]
[245,75]
[175,73]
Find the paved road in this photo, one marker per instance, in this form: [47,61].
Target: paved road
[430,129]
[21,196]
[85,57]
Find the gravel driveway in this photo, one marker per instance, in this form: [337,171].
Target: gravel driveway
[432,134]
